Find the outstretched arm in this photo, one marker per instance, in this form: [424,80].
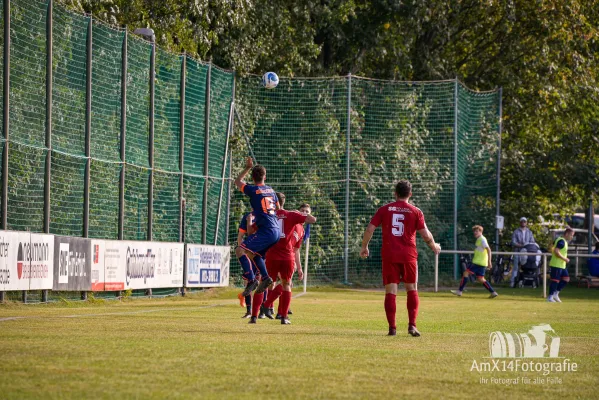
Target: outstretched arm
[429,240]
[249,164]
[364,252]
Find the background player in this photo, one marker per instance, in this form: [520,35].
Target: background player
[282,257]
[400,221]
[480,262]
[264,203]
[558,264]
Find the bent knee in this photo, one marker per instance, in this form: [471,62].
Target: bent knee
[481,279]
[566,279]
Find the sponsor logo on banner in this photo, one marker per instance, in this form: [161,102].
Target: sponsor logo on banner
[63,263]
[4,263]
[26,261]
[207,266]
[114,265]
[72,263]
[139,265]
[20,261]
[32,260]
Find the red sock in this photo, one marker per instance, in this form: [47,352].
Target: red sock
[273,295]
[390,308]
[256,303]
[412,304]
[284,303]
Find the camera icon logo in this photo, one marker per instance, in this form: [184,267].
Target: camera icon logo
[539,342]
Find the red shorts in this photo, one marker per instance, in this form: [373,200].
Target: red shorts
[406,272]
[284,268]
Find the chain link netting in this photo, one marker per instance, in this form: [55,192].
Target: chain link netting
[397,130]
[31,161]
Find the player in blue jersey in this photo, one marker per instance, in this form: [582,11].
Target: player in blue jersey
[264,202]
[246,227]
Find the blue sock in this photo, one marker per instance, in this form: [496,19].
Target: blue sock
[247,267]
[259,261]
[561,285]
[488,286]
[552,288]
[463,283]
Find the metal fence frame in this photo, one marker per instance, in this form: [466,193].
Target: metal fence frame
[511,253]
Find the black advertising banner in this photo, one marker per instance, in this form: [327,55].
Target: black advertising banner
[72,264]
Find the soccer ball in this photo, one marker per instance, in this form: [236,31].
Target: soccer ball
[270,80]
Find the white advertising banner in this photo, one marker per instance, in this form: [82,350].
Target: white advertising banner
[152,264]
[26,261]
[207,266]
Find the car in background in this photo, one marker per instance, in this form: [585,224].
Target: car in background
[576,221]
[579,242]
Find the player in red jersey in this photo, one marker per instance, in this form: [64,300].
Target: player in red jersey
[400,221]
[283,258]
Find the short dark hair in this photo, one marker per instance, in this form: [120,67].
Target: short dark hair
[258,173]
[281,197]
[568,229]
[478,228]
[305,205]
[403,189]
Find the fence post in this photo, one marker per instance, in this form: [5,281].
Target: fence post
[88,129]
[151,141]
[5,118]
[497,197]
[48,118]
[436,273]
[227,220]
[49,86]
[123,136]
[307,254]
[544,275]
[182,142]
[347,174]
[206,153]
[455,172]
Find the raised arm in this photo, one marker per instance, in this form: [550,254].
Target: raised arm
[429,240]
[364,252]
[249,164]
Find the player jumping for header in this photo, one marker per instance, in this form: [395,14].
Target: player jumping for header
[264,203]
[401,221]
[283,257]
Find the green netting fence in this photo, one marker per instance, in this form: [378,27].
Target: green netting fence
[103,117]
[340,144]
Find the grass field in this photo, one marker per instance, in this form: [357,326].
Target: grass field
[199,347]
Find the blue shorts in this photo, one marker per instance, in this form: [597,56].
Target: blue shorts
[476,270]
[261,241]
[558,273]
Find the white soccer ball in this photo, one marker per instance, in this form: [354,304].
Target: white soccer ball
[270,80]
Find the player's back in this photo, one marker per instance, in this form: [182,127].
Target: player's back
[399,221]
[290,223]
[263,200]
